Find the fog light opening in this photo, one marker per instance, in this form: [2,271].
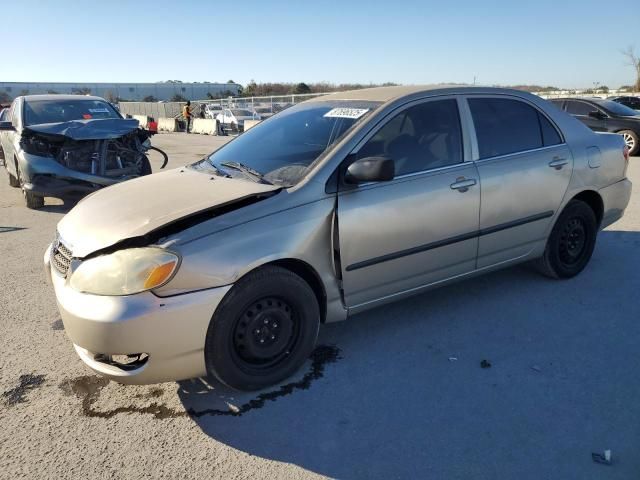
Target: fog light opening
[127,362]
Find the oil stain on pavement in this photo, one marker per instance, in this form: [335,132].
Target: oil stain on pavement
[18,394]
[88,389]
[57,325]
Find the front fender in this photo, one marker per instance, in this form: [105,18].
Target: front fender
[301,233]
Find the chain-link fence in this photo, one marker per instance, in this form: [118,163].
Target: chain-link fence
[263,106]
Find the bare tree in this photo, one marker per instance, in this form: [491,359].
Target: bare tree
[633,60]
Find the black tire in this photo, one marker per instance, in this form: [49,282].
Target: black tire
[631,140]
[33,201]
[571,243]
[13,181]
[263,330]
[146,166]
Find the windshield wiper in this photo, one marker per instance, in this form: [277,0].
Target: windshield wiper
[246,170]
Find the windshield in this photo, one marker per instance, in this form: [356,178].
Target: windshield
[55,111]
[241,113]
[618,109]
[283,147]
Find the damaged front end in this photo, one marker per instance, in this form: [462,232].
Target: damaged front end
[81,156]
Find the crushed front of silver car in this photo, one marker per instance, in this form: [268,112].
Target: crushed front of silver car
[80,156]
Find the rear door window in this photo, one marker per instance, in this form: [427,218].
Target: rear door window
[505,126]
[579,108]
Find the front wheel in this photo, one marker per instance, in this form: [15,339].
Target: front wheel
[263,331]
[32,201]
[571,243]
[631,141]
[145,167]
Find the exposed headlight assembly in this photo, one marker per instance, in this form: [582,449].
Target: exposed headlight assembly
[125,272]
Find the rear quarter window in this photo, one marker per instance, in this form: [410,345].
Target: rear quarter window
[505,126]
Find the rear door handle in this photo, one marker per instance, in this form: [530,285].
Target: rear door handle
[558,162]
[462,184]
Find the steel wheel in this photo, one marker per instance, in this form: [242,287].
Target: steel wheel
[263,330]
[265,334]
[573,241]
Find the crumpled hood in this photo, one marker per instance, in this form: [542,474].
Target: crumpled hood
[96,129]
[139,206]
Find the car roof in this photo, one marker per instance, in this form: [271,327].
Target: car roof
[388,94]
[584,99]
[32,98]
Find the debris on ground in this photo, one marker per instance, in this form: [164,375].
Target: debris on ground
[233,408]
[604,458]
[485,364]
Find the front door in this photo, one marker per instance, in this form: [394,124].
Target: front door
[421,227]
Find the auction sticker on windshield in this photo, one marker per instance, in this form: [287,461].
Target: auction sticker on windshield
[346,113]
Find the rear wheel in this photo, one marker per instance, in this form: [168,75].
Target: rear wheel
[263,331]
[32,201]
[571,243]
[631,140]
[13,181]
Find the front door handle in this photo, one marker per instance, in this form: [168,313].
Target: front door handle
[558,162]
[462,184]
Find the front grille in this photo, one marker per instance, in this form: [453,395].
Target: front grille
[60,257]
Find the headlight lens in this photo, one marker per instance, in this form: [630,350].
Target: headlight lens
[125,272]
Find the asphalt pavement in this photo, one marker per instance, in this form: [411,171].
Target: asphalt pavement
[506,376]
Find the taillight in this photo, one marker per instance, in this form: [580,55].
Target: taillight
[625,154]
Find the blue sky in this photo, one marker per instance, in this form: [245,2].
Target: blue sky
[564,43]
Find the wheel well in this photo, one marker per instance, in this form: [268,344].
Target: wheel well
[594,200]
[309,275]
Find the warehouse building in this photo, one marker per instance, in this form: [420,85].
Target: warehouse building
[122,91]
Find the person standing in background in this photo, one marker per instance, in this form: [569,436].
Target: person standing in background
[186,113]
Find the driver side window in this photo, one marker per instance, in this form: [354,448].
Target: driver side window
[420,138]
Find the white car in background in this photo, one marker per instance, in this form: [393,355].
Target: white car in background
[211,110]
[264,112]
[233,118]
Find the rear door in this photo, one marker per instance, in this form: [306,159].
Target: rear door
[421,227]
[524,167]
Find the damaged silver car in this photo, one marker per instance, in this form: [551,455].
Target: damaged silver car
[66,146]
[329,208]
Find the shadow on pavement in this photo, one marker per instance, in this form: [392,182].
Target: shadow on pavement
[563,383]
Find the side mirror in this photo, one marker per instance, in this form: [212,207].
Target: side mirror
[6,127]
[597,114]
[370,169]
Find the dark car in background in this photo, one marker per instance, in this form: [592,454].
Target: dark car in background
[67,146]
[627,101]
[605,116]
